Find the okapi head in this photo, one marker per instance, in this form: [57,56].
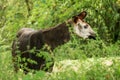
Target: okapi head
[82,29]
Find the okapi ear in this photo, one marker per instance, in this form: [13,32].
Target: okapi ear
[82,15]
[75,19]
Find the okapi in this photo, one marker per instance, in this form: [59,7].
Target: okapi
[28,39]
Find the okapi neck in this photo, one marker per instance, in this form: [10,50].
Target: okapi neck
[57,35]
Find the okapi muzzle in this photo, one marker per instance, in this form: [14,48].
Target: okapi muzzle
[28,39]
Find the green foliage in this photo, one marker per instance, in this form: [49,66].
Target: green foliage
[104,18]
[89,69]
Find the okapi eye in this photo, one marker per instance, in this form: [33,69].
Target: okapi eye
[86,26]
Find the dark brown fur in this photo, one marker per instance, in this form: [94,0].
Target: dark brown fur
[37,38]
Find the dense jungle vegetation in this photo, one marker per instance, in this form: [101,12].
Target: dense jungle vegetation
[78,59]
